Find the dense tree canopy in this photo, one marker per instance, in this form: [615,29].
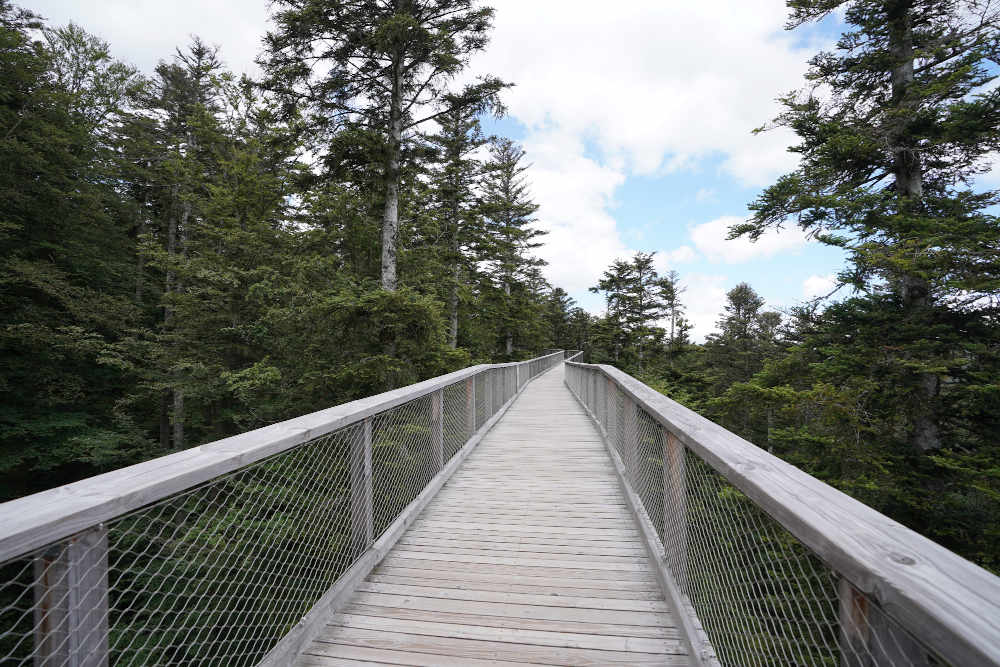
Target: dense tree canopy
[173,271]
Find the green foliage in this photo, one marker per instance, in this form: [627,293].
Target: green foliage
[172,273]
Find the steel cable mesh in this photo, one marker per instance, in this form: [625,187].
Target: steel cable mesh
[215,575]
[482,409]
[401,459]
[765,599]
[218,574]
[456,417]
[762,597]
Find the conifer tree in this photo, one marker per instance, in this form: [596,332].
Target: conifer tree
[378,68]
[509,235]
[455,182]
[895,126]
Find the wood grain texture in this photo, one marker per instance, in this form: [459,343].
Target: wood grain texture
[527,555]
[950,603]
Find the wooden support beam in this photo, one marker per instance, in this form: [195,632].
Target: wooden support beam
[869,638]
[71,602]
[362,523]
[675,519]
[437,431]
[470,406]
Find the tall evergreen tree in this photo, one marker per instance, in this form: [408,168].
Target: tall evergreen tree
[509,235]
[455,183]
[897,123]
[380,68]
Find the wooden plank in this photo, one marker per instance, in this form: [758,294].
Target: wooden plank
[516,636]
[479,649]
[950,603]
[528,570]
[552,587]
[463,576]
[521,557]
[591,562]
[516,598]
[345,652]
[664,632]
[580,614]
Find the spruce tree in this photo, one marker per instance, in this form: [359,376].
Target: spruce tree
[509,235]
[896,124]
[455,182]
[380,69]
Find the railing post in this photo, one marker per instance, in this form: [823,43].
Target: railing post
[675,515]
[489,393]
[71,602]
[629,429]
[611,398]
[868,638]
[470,406]
[437,431]
[362,527]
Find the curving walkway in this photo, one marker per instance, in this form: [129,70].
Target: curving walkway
[528,555]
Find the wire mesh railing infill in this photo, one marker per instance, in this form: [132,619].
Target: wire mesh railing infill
[758,593]
[219,572]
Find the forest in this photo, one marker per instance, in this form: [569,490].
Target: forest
[192,254]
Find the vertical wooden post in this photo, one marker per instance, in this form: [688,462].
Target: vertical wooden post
[611,397]
[629,435]
[437,431]
[675,517]
[362,523]
[470,407]
[869,638]
[489,393]
[71,602]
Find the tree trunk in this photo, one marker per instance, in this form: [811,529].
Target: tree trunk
[913,289]
[178,419]
[453,309]
[165,420]
[390,219]
[509,333]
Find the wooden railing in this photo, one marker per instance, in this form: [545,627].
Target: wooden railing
[772,565]
[234,552]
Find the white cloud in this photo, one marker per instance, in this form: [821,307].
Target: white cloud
[658,84]
[704,194]
[710,239]
[684,253]
[143,32]
[815,286]
[703,298]
[652,88]
[582,237]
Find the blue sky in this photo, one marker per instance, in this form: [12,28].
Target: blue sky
[637,121]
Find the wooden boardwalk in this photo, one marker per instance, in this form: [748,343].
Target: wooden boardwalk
[528,555]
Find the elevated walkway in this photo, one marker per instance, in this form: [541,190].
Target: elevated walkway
[539,512]
[528,554]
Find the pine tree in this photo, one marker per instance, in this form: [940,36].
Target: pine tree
[509,235]
[378,68]
[899,120]
[455,183]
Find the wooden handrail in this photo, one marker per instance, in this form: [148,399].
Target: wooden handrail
[948,602]
[42,518]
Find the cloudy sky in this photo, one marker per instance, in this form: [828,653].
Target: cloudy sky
[637,121]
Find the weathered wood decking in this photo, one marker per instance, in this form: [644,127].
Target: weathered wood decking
[527,555]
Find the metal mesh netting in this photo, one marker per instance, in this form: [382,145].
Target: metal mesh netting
[218,574]
[762,597]
[215,575]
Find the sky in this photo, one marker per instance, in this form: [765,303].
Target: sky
[637,122]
